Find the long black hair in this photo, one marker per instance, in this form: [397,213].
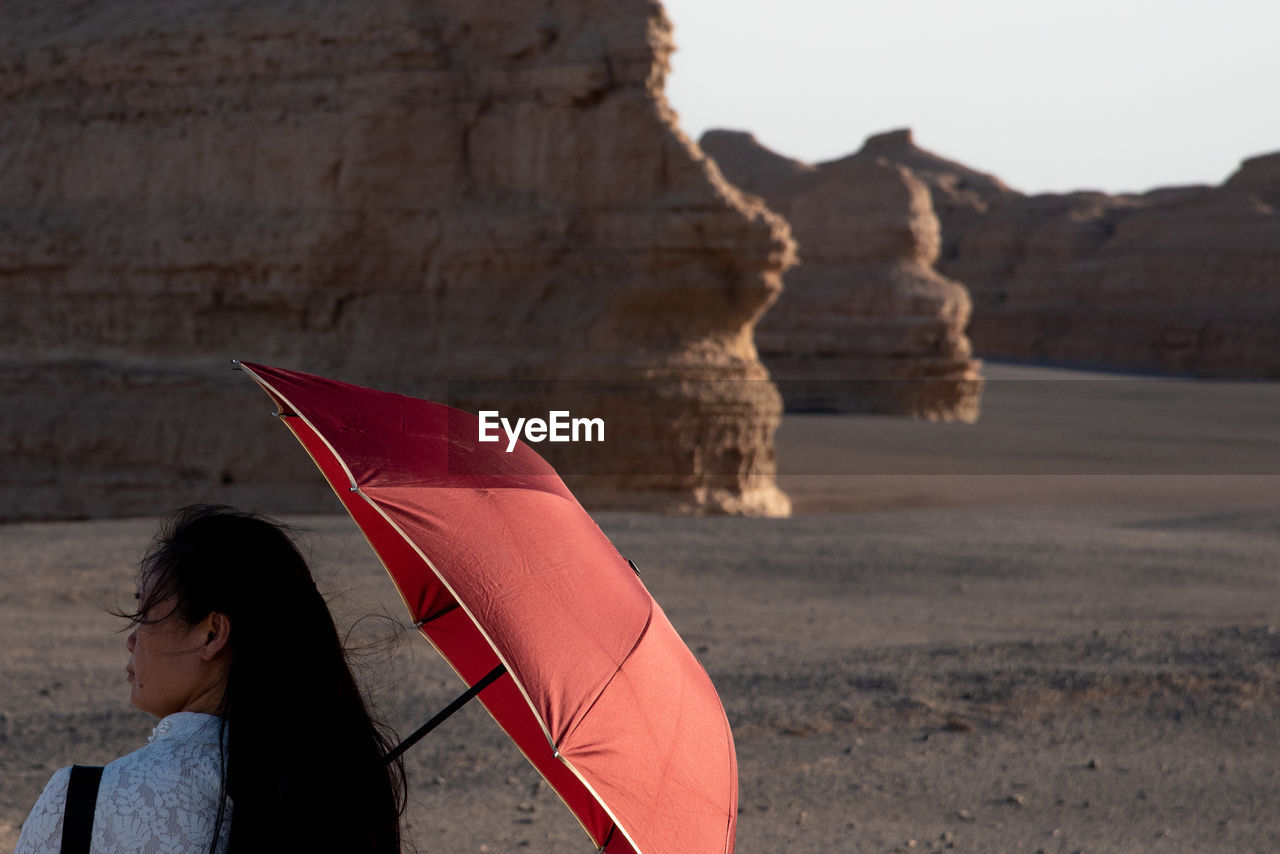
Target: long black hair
[303,763]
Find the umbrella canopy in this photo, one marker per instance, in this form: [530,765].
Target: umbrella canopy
[500,566]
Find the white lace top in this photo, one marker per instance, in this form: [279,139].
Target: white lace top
[162,799]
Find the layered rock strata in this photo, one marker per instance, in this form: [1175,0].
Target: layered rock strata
[866,324]
[1182,280]
[411,196]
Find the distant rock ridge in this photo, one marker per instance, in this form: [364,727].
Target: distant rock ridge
[422,197]
[1259,176]
[899,146]
[1180,280]
[960,194]
[865,323]
[757,169]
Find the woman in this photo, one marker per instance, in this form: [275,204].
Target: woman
[264,742]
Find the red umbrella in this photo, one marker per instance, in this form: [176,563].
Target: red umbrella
[528,600]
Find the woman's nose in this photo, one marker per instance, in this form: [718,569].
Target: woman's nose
[131,640]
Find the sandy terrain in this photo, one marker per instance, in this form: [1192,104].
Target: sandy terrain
[1055,630]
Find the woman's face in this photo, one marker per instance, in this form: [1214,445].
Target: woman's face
[169,668]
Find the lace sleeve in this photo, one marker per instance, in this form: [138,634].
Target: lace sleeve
[42,831]
[162,799]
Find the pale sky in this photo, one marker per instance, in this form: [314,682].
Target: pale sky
[1115,95]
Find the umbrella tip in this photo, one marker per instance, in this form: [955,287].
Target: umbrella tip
[235,364]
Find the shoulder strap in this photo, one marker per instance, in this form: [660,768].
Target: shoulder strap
[82,799]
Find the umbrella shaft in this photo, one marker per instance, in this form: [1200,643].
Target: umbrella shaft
[444,714]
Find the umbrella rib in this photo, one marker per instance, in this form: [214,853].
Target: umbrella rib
[274,392]
[458,601]
[452,606]
[605,687]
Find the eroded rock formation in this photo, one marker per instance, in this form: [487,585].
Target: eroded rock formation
[866,324]
[404,195]
[1182,280]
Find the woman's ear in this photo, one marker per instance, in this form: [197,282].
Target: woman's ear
[217,629]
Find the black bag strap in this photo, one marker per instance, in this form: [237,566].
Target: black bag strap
[82,800]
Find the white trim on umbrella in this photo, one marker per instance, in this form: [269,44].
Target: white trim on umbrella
[355,487]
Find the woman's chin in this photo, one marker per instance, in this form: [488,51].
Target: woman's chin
[135,700]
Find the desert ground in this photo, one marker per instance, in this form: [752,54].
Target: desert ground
[1054,630]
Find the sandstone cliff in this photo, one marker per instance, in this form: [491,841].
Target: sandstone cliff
[405,195]
[866,324]
[1182,280]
